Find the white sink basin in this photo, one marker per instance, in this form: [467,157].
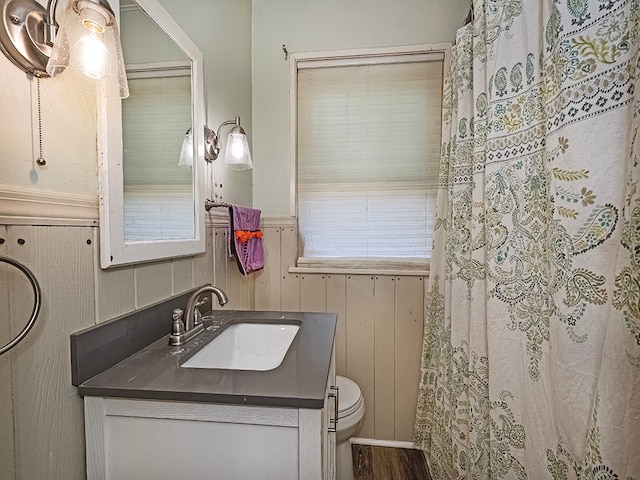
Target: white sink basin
[246,346]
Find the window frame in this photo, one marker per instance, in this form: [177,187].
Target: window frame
[368,56]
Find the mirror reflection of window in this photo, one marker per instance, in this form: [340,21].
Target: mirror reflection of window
[158,192]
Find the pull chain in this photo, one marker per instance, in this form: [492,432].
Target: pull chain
[40,160]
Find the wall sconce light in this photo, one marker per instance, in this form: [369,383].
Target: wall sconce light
[237,155]
[86,40]
[186,153]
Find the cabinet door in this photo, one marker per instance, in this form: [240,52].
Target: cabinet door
[150,439]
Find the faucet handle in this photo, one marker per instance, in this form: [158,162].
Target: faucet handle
[197,314]
[202,302]
[178,325]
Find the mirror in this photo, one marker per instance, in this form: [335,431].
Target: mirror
[151,199]
[158,190]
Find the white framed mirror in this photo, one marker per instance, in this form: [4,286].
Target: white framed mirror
[151,199]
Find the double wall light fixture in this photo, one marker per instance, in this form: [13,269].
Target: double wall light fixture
[85,41]
[236,155]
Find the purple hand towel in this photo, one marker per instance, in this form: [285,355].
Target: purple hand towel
[246,243]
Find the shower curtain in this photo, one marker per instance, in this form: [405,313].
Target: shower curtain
[531,354]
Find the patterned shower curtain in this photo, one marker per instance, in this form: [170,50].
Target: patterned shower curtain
[531,356]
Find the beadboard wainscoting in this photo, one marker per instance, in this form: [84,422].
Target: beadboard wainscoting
[378,339]
[41,419]
[124,289]
[380,327]
[41,427]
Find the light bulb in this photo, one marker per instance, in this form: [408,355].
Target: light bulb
[237,155]
[93,26]
[237,145]
[93,56]
[93,20]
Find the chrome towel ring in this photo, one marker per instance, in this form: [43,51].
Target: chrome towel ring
[37,294]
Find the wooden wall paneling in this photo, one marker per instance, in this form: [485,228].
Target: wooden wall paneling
[409,335]
[235,285]
[203,264]
[243,287]
[385,356]
[153,282]
[221,265]
[116,292]
[247,290]
[289,282]
[337,303]
[227,275]
[251,302]
[181,275]
[115,288]
[313,294]
[7,434]
[7,274]
[268,280]
[48,411]
[360,343]
[378,336]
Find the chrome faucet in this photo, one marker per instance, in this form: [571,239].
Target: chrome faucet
[181,331]
[193,316]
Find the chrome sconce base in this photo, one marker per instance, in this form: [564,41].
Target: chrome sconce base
[22,37]
[211,145]
[35,42]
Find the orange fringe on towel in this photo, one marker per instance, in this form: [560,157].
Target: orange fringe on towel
[245,235]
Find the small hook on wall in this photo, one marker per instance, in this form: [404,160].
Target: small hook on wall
[286,52]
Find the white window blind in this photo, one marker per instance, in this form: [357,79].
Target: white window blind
[158,194]
[368,147]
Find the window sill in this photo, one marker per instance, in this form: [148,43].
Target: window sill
[353,267]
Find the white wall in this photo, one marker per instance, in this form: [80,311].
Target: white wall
[68,135]
[319,25]
[222,30]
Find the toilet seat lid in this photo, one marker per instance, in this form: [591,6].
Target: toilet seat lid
[349,396]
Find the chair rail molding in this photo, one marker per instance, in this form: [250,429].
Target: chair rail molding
[20,206]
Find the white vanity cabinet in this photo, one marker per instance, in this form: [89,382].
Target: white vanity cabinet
[157,439]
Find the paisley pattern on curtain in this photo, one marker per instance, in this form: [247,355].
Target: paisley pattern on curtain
[531,355]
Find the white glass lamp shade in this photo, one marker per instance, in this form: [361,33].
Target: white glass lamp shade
[237,155]
[186,154]
[88,42]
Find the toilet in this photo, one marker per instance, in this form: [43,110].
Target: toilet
[350,414]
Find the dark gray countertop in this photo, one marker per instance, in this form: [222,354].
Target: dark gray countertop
[155,373]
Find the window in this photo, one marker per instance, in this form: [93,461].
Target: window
[368,146]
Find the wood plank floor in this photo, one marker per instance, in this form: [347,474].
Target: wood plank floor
[386,463]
